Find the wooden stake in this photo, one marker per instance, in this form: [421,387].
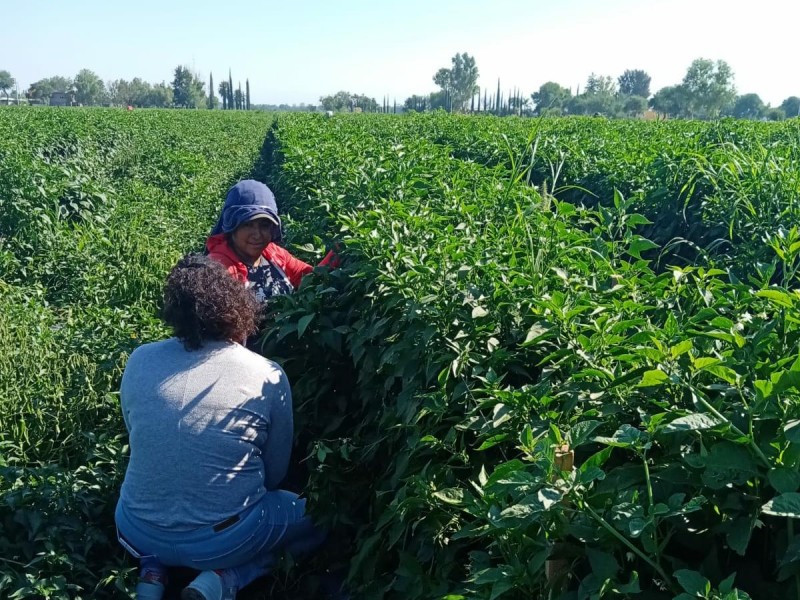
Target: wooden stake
[555,570]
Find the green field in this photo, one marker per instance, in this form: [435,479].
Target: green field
[513,292]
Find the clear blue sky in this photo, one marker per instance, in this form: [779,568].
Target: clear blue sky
[297,51]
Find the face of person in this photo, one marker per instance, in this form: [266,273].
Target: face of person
[250,238]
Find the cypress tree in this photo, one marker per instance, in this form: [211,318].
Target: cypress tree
[239,103]
[498,99]
[211,98]
[230,91]
[247,91]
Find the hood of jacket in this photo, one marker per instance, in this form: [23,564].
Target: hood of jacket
[247,199]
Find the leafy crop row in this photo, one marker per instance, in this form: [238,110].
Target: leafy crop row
[722,187]
[487,332]
[95,207]
[480,332]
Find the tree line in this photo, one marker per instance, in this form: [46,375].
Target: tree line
[706,91]
[186,90]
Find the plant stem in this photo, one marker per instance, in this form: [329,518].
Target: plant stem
[651,505]
[735,429]
[603,523]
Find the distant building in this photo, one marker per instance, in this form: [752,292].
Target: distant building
[651,115]
[62,99]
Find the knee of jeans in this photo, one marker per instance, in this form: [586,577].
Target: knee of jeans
[285,506]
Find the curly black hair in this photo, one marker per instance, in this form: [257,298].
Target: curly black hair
[202,301]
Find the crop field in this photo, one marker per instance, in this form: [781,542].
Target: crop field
[560,360]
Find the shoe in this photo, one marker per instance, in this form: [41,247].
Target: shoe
[152,580]
[209,585]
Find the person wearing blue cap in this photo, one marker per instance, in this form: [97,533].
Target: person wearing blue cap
[245,240]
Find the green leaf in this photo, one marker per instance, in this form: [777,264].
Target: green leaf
[785,505]
[479,312]
[548,497]
[739,533]
[722,322]
[777,297]
[535,333]
[603,564]
[763,388]
[454,496]
[501,587]
[737,595]
[632,587]
[636,526]
[639,245]
[726,463]
[629,376]
[637,219]
[580,432]
[787,380]
[653,378]
[792,554]
[625,437]
[500,414]
[505,470]
[792,431]
[704,362]
[494,441]
[526,438]
[681,348]
[724,373]
[303,323]
[693,582]
[784,479]
[726,585]
[693,422]
[596,460]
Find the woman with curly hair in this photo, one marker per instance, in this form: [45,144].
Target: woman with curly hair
[245,241]
[210,427]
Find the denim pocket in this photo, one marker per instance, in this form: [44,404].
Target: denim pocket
[131,550]
[231,547]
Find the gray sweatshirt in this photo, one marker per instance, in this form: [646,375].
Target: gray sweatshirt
[210,430]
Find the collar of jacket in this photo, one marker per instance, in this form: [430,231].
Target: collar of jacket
[219,249]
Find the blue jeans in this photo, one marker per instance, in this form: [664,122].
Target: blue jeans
[277,523]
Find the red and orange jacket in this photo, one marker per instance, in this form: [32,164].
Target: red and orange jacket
[219,249]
